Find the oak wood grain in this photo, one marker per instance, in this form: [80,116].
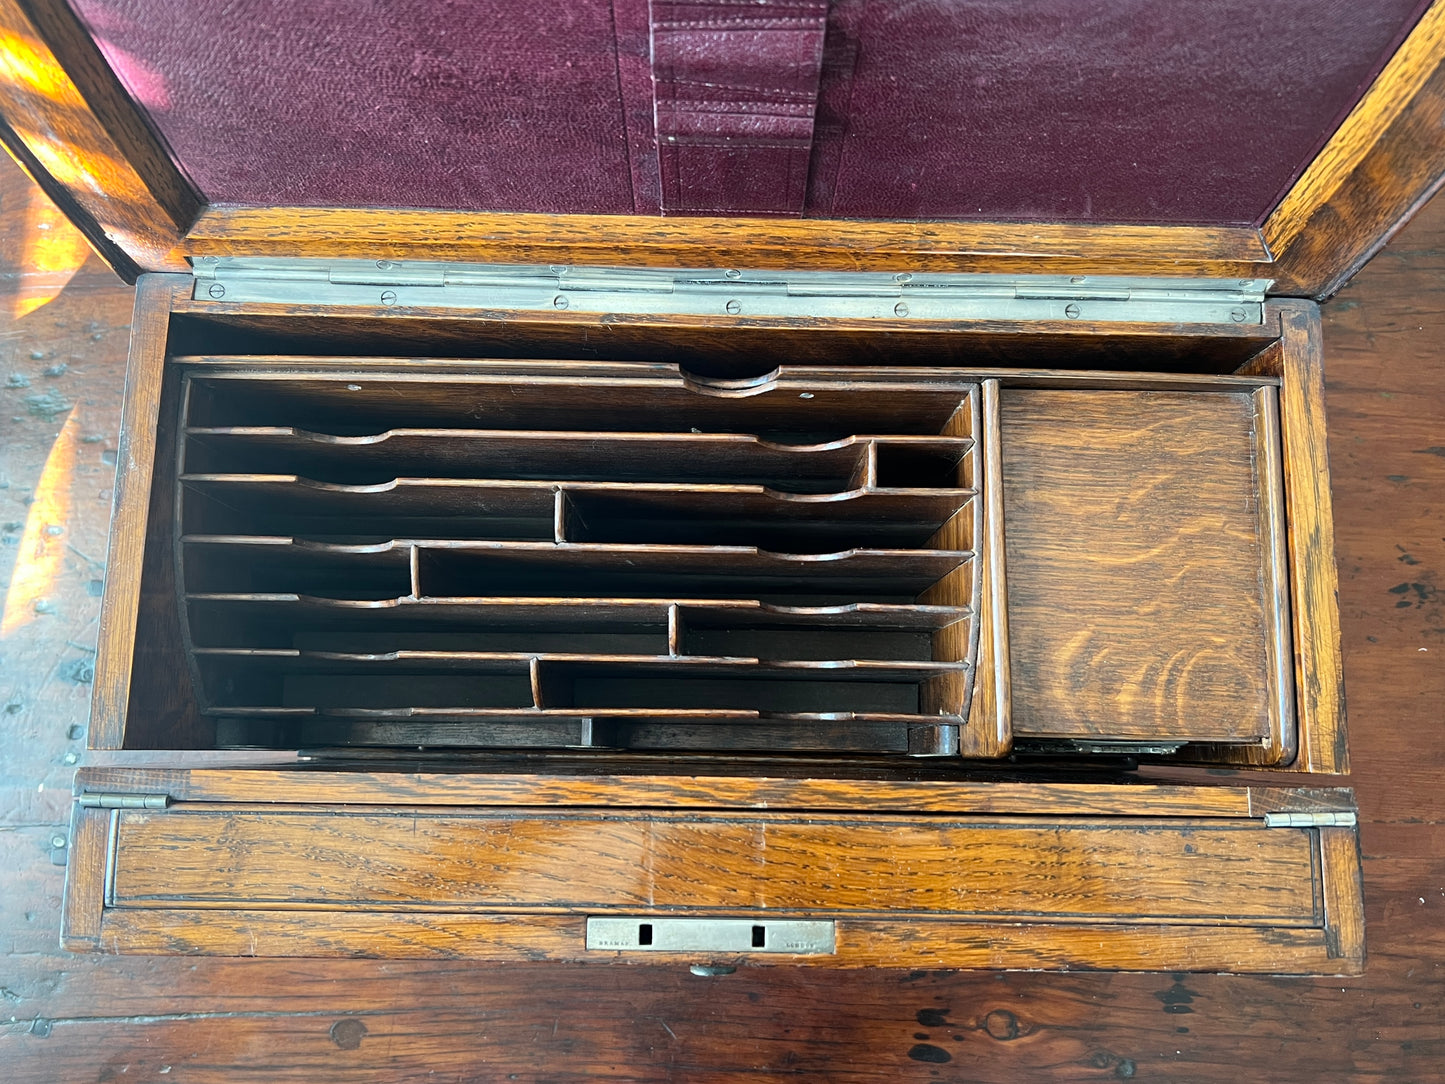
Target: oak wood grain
[66,121]
[212,1020]
[682,241]
[1387,97]
[1319,673]
[990,729]
[131,130]
[692,785]
[1343,893]
[1320,678]
[1281,746]
[1135,564]
[89,849]
[861,942]
[717,346]
[136,466]
[701,863]
[1377,170]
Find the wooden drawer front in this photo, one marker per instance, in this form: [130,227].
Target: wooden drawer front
[925,873]
[1144,870]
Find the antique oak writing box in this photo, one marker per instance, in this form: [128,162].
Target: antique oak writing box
[756,514]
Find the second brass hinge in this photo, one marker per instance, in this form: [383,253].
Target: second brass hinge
[1310,820]
[124,801]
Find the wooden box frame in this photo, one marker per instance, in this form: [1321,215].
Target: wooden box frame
[1284,347]
[72,127]
[877,820]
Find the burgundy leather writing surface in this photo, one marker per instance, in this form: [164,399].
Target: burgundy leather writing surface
[1200,111]
[1058,110]
[425,103]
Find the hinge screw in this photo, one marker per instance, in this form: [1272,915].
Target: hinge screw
[732,273]
[558,269]
[1076,279]
[384,265]
[1246,282]
[902,277]
[1237,315]
[900,309]
[217,290]
[57,842]
[388,297]
[734,307]
[1071,311]
[560,302]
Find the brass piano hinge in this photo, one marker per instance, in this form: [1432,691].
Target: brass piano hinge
[124,801]
[854,295]
[1310,820]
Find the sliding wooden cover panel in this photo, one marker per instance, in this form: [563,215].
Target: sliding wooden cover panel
[1146,562]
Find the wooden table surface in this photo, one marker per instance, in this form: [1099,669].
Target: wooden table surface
[70,1018]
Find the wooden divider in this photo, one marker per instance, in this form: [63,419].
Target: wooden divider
[453,560]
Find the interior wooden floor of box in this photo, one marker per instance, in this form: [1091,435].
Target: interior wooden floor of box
[69,1017]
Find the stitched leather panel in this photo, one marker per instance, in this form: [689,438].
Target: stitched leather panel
[1062,110]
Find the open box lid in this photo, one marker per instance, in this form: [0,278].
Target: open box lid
[1228,140]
